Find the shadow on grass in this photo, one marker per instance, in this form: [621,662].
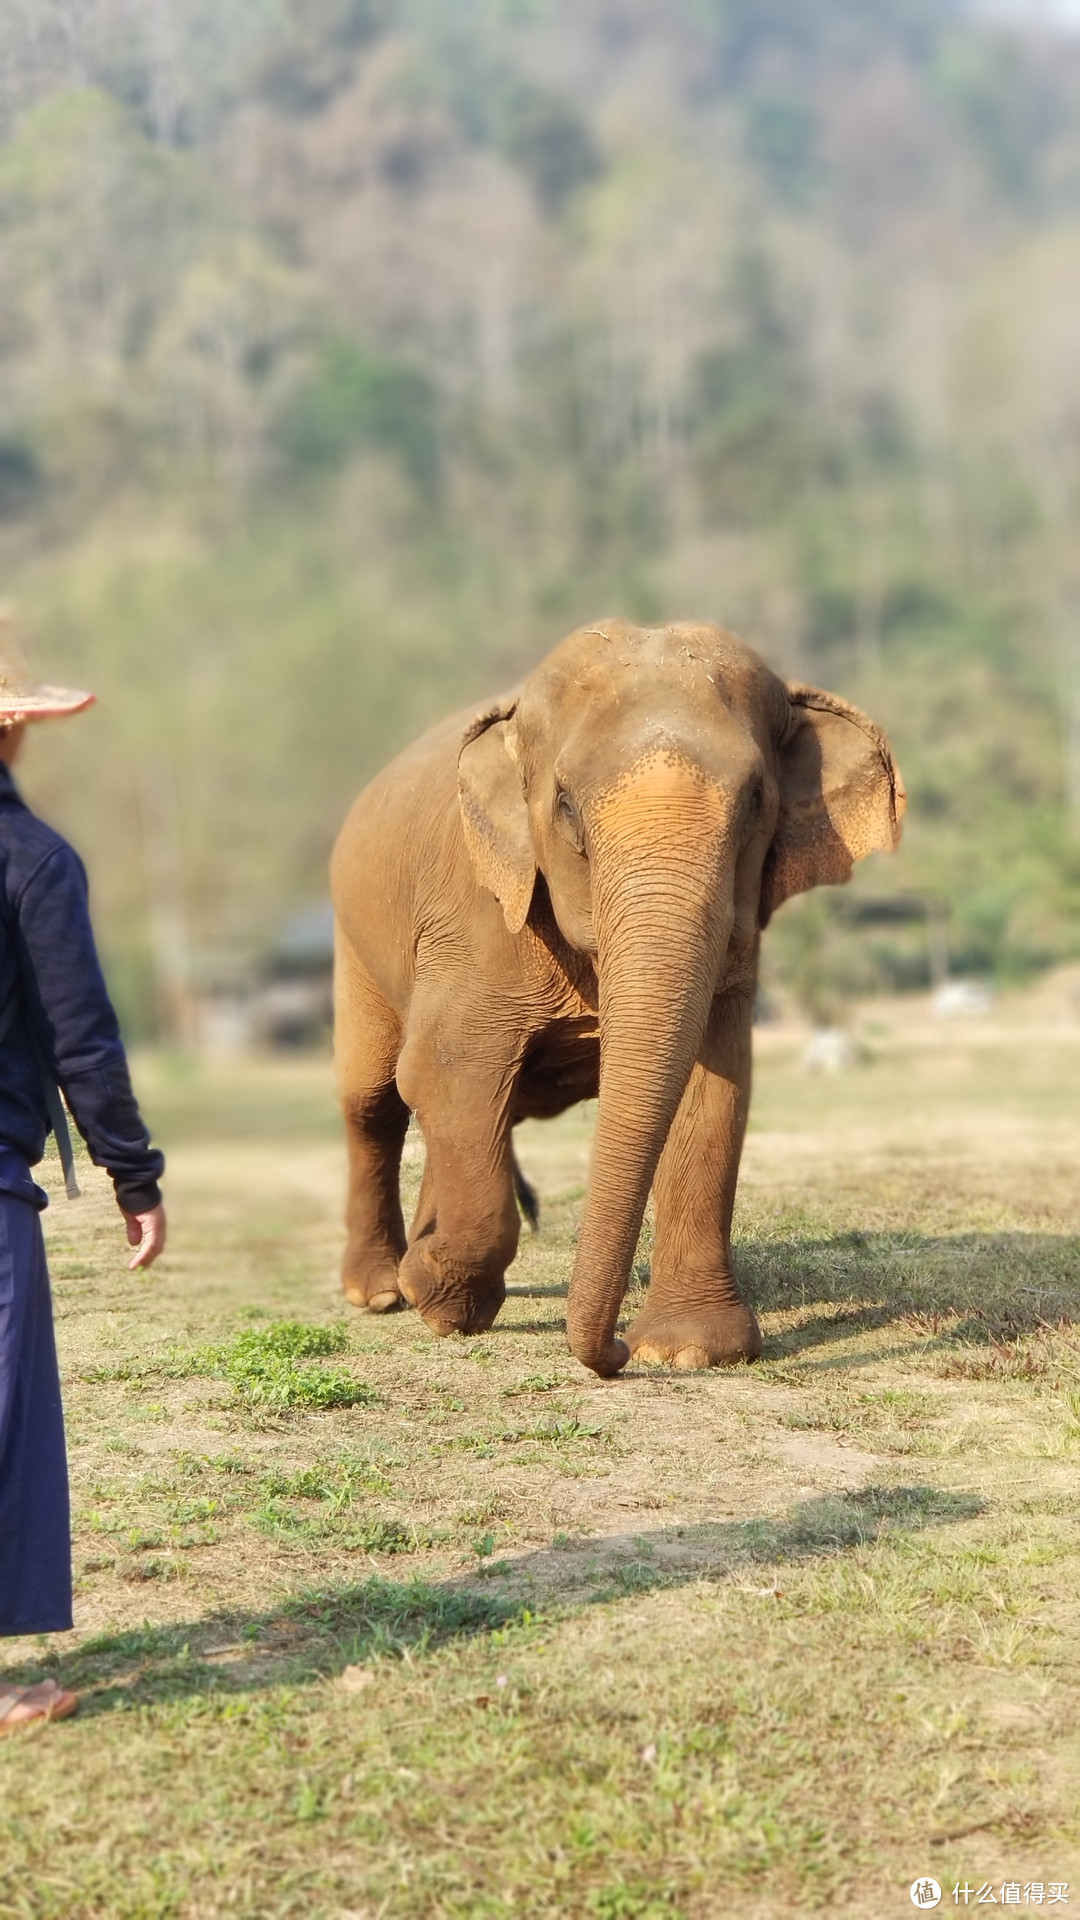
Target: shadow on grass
[942,1292]
[314,1635]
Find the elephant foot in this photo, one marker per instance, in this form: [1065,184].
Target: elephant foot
[371,1283]
[679,1337]
[447,1298]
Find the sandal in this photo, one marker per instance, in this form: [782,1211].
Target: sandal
[28,1706]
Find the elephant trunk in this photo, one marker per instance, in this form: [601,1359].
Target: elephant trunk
[663,906]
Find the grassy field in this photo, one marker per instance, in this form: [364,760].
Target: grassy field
[375,1625]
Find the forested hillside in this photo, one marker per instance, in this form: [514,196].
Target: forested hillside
[353,350]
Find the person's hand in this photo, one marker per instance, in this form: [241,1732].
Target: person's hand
[146,1232]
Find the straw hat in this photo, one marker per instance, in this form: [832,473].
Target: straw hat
[24,698]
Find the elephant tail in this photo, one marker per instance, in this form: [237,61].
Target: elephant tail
[526,1198]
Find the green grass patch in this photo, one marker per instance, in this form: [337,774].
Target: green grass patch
[267,1367]
[273,1367]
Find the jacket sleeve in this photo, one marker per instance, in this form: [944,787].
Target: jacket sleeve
[73,1021]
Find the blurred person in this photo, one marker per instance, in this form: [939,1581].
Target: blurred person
[57,1030]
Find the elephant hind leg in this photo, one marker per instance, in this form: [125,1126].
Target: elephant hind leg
[367,1038]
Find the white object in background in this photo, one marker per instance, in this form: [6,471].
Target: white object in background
[828,1051]
[964,997]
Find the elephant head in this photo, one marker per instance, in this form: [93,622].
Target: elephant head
[669,792]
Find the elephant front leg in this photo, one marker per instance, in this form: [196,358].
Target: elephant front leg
[694,1314]
[466,1228]
[367,1038]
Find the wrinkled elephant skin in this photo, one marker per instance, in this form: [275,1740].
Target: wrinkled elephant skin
[561,897]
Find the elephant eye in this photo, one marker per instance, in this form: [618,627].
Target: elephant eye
[568,820]
[755,802]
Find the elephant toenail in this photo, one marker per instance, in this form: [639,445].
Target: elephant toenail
[383,1302]
[689,1359]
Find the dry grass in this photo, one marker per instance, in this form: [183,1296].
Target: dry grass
[501,1639]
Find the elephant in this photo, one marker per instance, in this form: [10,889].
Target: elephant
[561,897]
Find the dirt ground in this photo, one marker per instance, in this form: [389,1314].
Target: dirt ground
[495,1638]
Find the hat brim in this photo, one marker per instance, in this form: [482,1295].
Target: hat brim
[45,703]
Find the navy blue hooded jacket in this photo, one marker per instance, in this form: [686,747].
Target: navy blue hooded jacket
[49,960]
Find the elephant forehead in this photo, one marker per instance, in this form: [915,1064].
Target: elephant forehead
[614,663]
[662,788]
[618,643]
[684,748]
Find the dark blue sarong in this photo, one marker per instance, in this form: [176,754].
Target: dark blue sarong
[35,1526]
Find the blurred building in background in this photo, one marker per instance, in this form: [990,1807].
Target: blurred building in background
[351,351]
[281,997]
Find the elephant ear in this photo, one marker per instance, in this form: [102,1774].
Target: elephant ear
[495,816]
[841,797]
